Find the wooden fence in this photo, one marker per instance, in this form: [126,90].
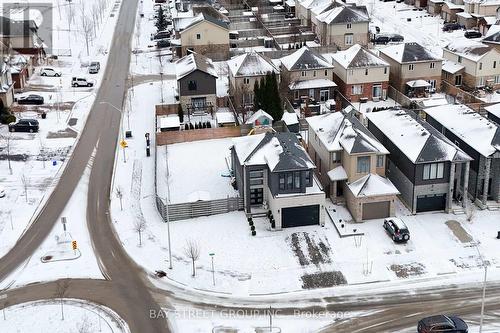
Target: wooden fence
[189,210]
[166,138]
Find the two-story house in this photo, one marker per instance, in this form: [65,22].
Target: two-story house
[22,37]
[450,9]
[481,64]
[480,139]
[307,74]
[196,84]
[427,168]
[244,70]
[476,9]
[361,74]
[351,165]
[304,9]
[202,34]
[413,69]
[344,26]
[273,172]
[6,85]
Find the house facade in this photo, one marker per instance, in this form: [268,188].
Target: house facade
[244,71]
[196,84]
[6,86]
[274,173]
[410,64]
[351,165]
[22,36]
[428,169]
[481,63]
[463,126]
[360,74]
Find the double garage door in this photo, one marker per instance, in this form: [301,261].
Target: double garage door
[376,210]
[427,203]
[299,216]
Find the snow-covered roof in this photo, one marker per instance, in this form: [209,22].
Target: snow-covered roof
[304,59]
[251,64]
[418,83]
[464,15]
[453,6]
[343,14]
[477,131]
[430,102]
[225,117]
[358,57]
[290,3]
[493,109]
[372,185]
[339,131]
[417,140]
[290,118]
[170,122]
[452,67]
[490,20]
[468,48]
[310,84]
[337,173]
[319,6]
[493,38]
[493,29]
[192,62]
[279,151]
[408,52]
[257,115]
[184,23]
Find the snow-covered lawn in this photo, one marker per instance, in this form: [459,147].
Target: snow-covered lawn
[195,170]
[45,316]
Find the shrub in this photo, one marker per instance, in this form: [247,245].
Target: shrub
[7,118]
[191,126]
[252,227]
[253,233]
[180,113]
[250,223]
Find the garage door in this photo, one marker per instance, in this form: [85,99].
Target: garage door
[376,210]
[299,216]
[426,203]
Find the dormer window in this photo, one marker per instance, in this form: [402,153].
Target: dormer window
[192,85]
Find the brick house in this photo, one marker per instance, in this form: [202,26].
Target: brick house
[360,74]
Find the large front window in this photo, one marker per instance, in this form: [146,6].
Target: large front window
[357,89]
[433,171]
[363,164]
[348,39]
[289,180]
[377,90]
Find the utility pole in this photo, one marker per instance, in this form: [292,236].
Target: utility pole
[213,269]
[485,264]
[167,199]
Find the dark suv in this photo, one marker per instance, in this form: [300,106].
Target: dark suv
[452,26]
[472,34]
[442,323]
[397,229]
[24,125]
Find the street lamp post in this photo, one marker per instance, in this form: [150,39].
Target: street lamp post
[485,265]
[123,134]
[212,255]
[167,199]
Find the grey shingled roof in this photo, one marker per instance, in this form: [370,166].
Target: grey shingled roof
[494,38]
[306,59]
[345,14]
[211,19]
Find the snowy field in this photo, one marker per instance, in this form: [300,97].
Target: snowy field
[45,316]
[195,170]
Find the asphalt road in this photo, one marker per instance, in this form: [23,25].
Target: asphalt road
[127,290]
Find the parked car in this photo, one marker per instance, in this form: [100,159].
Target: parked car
[442,323]
[24,125]
[472,34]
[397,229]
[452,26]
[48,71]
[395,38]
[289,15]
[163,43]
[381,39]
[30,99]
[2,192]
[80,82]
[94,67]
[161,35]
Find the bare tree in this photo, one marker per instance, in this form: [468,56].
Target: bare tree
[26,182]
[192,251]
[86,26]
[85,326]
[6,138]
[139,227]
[62,287]
[119,195]
[5,305]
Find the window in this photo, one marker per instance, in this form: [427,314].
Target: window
[349,25]
[494,64]
[314,73]
[336,156]
[308,178]
[433,171]
[256,174]
[432,65]
[296,181]
[480,66]
[433,85]
[303,73]
[410,67]
[282,181]
[192,85]
[385,70]
[348,39]
[377,90]
[363,164]
[459,59]
[289,180]
[357,89]
[257,181]
[326,72]
[296,94]
[366,71]
[246,80]
[198,36]
[324,95]
[380,161]
[458,80]
[497,79]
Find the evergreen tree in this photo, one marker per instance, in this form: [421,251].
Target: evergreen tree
[256,95]
[161,23]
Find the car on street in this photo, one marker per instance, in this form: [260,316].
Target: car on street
[2,191]
[381,39]
[395,38]
[81,82]
[161,35]
[442,324]
[31,99]
[94,67]
[397,229]
[24,125]
[472,34]
[49,71]
[452,26]
[162,43]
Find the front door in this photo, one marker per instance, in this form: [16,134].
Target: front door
[377,91]
[324,95]
[256,196]
[458,80]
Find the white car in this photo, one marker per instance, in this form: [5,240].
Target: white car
[2,192]
[48,71]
